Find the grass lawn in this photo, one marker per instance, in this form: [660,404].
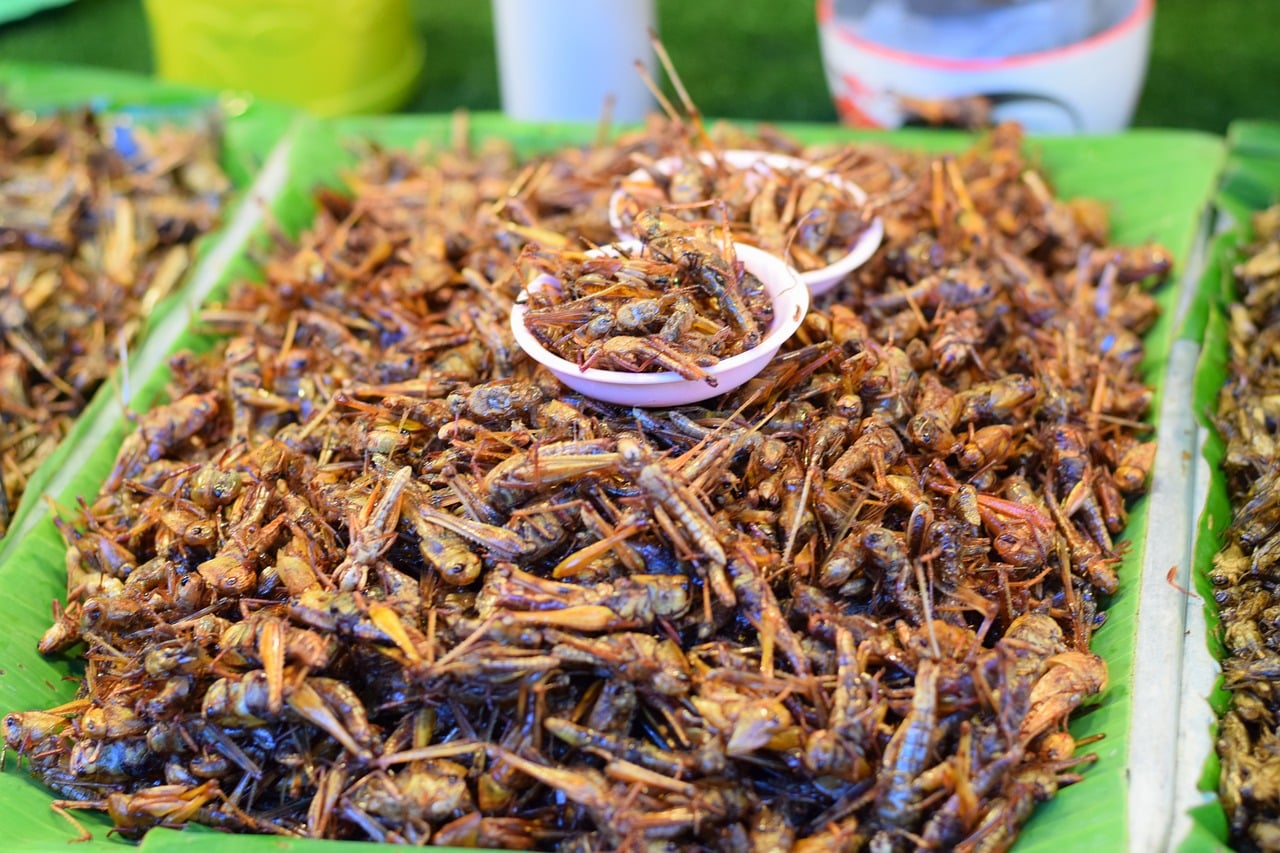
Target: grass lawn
[1210,62]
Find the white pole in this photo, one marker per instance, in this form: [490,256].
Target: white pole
[558,60]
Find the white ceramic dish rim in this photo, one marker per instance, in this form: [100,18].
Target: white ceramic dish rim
[780,330]
[819,280]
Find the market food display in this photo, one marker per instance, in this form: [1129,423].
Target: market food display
[97,222]
[371,573]
[1243,571]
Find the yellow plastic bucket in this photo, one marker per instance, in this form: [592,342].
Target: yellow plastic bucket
[332,57]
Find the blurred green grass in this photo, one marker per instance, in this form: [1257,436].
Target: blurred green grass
[1210,62]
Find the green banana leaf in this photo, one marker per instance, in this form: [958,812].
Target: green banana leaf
[1250,182]
[1157,183]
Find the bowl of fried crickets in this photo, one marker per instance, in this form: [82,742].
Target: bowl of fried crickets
[800,211]
[663,322]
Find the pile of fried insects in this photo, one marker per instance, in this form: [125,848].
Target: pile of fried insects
[1245,570]
[374,574]
[97,221]
[678,302]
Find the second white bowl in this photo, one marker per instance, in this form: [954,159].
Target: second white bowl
[820,280]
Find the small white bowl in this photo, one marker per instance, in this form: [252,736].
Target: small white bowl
[790,303]
[820,280]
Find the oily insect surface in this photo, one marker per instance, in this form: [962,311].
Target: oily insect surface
[97,221]
[1244,570]
[375,574]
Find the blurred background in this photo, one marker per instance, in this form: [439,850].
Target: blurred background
[1210,62]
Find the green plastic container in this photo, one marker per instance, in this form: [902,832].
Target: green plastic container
[330,57]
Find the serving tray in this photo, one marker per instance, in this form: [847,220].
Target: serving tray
[1157,184]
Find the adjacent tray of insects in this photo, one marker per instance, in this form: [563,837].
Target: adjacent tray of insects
[368,573]
[107,203]
[1234,393]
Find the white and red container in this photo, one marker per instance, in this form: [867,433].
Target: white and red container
[1088,81]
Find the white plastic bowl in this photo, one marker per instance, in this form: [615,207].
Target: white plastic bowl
[819,281]
[1091,85]
[790,303]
